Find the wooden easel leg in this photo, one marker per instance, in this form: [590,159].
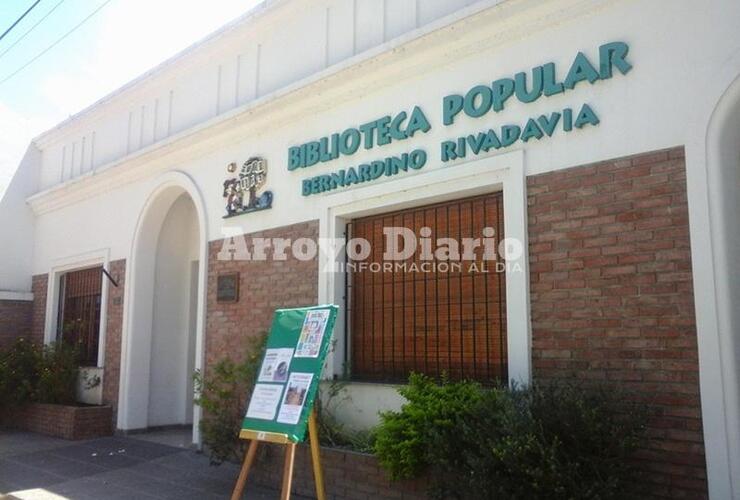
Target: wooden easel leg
[288,471]
[242,480]
[318,475]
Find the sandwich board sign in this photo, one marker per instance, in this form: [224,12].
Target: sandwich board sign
[281,407]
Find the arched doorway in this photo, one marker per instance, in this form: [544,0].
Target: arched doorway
[171,360]
[723,186]
[165,306]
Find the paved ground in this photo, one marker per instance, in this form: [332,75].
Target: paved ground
[39,467]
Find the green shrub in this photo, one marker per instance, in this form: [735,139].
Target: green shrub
[33,373]
[223,394]
[58,370]
[409,441]
[544,442]
[19,373]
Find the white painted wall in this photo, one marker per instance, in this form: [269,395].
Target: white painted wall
[358,405]
[17,222]
[233,67]
[192,333]
[139,314]
[105,220]
[90,385]
[172,347]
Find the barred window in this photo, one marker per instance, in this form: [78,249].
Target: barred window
[429,316]
[78,321]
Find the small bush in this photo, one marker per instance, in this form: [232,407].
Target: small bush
[58,370]
[33,373]
[19,373]
[223,395]
[409,441]
[543,442]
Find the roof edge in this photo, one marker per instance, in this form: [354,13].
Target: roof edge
[253,15]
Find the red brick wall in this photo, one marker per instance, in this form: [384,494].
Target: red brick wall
[263,287]
[68,422]
[347,474]
[39,284]
[37,317]
[112,368]
[612,300]
[15,320]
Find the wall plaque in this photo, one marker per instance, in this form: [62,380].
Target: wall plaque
[227,287]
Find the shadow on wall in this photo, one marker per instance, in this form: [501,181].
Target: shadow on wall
[17,219]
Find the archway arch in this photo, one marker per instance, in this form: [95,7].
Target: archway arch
[723,195]
[163,331]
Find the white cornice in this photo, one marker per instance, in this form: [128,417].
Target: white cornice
[413,53]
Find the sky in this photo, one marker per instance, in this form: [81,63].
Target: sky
[124,39]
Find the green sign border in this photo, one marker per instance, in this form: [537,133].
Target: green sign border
[285,331]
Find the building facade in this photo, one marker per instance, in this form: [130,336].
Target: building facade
[590,148]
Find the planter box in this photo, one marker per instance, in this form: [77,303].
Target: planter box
[347,474]
[67,422]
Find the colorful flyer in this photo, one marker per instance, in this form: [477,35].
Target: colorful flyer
[264,402]
[295,398]
[312,333]
[275,365]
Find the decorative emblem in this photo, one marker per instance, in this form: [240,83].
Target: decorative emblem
[241,192]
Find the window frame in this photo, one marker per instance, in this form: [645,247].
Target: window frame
[447,182]
[458,364]
[76,263]
[62,308]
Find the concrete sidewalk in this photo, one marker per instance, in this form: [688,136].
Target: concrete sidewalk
[39,467]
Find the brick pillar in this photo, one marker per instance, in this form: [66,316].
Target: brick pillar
[15,320]
[39,285]
[114,328]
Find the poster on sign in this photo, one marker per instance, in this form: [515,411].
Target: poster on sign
[312,334]
[264,402]
[275,365]
[295,398]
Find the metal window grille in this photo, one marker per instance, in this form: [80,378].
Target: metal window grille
[79,312]
[405,319]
